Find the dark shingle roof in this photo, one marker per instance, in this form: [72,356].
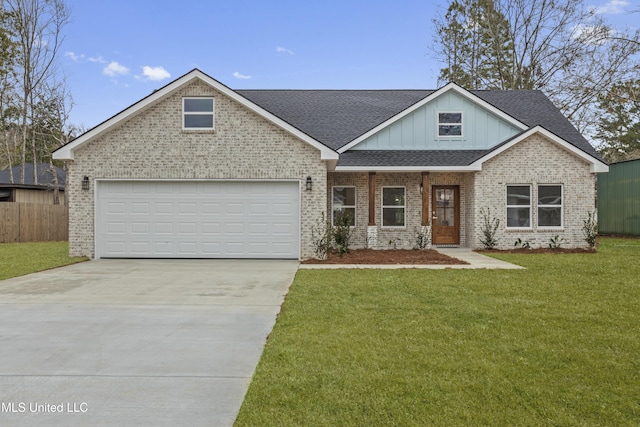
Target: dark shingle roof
[45,179]
[337,117]
[390,158]
[334,117]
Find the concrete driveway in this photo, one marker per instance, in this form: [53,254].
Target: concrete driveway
[135,342]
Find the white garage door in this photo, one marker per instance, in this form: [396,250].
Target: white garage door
[197,219]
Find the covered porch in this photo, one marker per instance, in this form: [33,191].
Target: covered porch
[395,209]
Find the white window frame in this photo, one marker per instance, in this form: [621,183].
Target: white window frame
[404,207]
[560,206]
[438,124]
[354,207]
[519,206]
[212,113]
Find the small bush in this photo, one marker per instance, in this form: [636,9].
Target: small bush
[489,229]
[522,244]
[590,229]
[342,232]
[423,237]
[321,237]
[556,241]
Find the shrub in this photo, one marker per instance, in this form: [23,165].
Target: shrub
[423,237]
[590,229]
[556,241]
[342,232]
[489,228]
[321,237]
[522,244]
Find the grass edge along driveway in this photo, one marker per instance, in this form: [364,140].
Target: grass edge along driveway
[556,344]
[18,259]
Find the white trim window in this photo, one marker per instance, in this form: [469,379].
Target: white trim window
[450,124]
[393,207]
[198,113]
[550,212]
[518,206]
[344,200]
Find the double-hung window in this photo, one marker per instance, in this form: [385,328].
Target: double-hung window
[393,207]
[449,124]
[518,206]
[549,205]
[198,113]
[344,203]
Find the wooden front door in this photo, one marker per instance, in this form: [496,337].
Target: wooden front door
[445,215]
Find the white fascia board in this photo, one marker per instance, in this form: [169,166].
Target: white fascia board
[596,165]
[451,86]
[66,152]
[470,168]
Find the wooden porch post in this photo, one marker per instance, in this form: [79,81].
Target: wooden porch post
[372,199]
[425,199]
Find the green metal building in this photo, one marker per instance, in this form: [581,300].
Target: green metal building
[619,199]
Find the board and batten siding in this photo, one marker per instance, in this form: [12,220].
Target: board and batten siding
[619,199]
[419,129]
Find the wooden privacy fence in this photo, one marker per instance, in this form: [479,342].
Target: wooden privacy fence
[30,222]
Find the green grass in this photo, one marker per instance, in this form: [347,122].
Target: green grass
[18,259]
[556,344]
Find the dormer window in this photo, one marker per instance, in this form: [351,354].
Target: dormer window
[449,124]
[197,113]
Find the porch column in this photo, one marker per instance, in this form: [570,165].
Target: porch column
[372,199]
[425,199]
[372,230]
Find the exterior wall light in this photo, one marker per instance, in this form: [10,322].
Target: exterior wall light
[309,183]
[85,183]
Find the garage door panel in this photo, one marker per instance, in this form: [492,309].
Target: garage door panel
[197,219]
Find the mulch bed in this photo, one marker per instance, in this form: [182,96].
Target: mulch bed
[387,256]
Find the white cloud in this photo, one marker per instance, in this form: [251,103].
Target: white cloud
[283,51]
[114,69]
[97,59]
[155,73]
[74,57]
[237,75]
[612,7]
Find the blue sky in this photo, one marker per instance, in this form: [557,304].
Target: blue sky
[117,51]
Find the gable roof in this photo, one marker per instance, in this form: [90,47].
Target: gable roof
[45,178]
[335,120]
[66,151]
[341,118]
[335,117]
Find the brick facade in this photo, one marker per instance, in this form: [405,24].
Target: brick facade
[533,161]
[244,145]
[152,145]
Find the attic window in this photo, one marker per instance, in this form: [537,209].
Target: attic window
[449,124]
[197,113]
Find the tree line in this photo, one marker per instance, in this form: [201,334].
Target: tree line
[34,99]
[565,48]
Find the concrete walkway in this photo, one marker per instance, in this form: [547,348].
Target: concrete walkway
[475,261]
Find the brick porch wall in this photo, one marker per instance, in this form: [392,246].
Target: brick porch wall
[152,145]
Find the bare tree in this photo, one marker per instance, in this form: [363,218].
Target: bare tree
[559,46]
[37,31]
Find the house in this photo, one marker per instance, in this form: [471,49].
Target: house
[29,192]
[619,199]
[197,169]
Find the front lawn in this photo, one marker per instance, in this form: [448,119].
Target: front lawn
[556,344]
[18,259]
